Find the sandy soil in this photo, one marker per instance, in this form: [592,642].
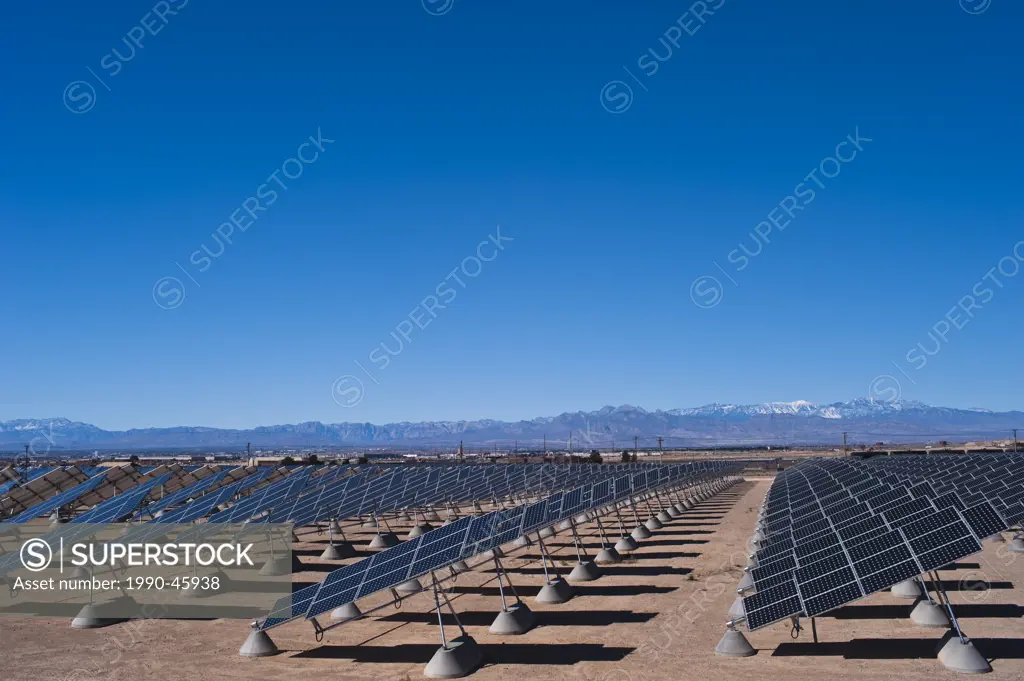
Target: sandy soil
[657,616]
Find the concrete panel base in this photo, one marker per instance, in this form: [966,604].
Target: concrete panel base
[277,566]
[257,645]
[413,586]
[460,658]
[586,571]
[515,620]
[907,589]
[734,644]
[626,545]
[338,551]
[927,614]
[384,541]
[558,591]
[641,533]
[963,657]
[92,616]
[349,611]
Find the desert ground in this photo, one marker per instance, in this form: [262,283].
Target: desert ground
[657,615]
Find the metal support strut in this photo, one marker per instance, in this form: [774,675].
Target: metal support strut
[632,505]
[438,593]
[600,531]
[544,558]
[949,606]
[581,554]
[500,569]
[618,516]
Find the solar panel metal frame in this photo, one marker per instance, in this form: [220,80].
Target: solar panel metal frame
[473,535]
[930,531]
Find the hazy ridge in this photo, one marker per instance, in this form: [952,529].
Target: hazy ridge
[798,422]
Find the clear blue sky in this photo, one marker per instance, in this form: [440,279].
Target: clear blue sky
[447,125]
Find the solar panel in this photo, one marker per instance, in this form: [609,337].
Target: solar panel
[771,605]
[42,487]
[16,478]
[922,513]
[272,495]
[122,505]
[984,521]
[832,599]
[466,537]
[201,507]
[61,499]
[190,491]
[290,607]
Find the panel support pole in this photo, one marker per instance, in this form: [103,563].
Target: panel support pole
[949,606]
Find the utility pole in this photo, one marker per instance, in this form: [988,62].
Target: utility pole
[661,454]
[634,447]
[570,447]
[1014,440]
[545,444]
[844,443]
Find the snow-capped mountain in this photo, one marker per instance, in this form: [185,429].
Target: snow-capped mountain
[798,422]
[837,410]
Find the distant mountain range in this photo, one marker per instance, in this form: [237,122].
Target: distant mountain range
[800,422]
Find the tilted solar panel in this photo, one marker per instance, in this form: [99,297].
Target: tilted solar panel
[54,503]
[462,539]
[923,514]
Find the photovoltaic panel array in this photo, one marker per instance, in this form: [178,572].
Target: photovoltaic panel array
[469,536]
[201,507]
[319,503]
[21,477]
[54,503]
[188,492]
[256,477]
[123,505]
[51,483]
[378,491]
[266,498]
[837,530]
[461,483]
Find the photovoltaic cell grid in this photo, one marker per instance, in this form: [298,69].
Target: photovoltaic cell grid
[24,476]
[202,506]
[114,509]
[319,500]
[319,504]
[467,537]
[122,505]
[464,538]
[256,477]
[54,503]
[23,496]
[275,493]
[319,495]
[496,481]
[419,488]
[183,494]
[838,530]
